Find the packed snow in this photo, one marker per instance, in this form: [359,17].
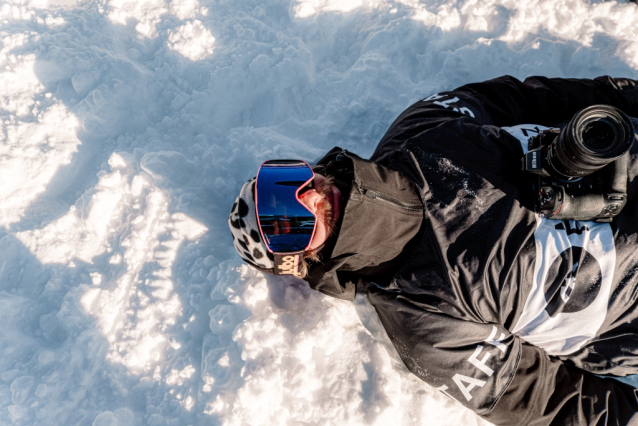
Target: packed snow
[128,128]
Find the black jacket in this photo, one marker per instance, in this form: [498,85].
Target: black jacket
[468,282]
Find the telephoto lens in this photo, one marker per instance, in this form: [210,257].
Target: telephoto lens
[594,137]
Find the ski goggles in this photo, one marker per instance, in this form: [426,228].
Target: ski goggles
[286,225]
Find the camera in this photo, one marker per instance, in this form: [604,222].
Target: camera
[582,169]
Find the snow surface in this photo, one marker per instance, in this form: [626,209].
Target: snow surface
[128,128]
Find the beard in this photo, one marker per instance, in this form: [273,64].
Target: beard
[324,214]
[324,210]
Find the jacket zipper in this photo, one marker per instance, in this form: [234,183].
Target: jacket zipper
[375,194]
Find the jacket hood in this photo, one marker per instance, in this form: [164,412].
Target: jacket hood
[382,215]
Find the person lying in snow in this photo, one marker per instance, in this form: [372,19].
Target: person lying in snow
[485,297]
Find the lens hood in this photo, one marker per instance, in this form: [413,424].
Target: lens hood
[595,136]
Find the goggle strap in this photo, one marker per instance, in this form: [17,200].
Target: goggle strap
[288,263]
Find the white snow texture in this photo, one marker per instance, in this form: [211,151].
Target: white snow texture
[128,128]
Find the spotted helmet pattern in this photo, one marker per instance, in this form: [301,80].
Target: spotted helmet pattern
[245,229]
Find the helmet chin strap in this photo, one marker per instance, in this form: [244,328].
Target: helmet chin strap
[288,263]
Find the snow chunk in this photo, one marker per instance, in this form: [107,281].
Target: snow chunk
[304,10]
[54,22]
[42,390]
[169,166]
[15,411]
[54,4]
[16,12]
[176,377]
[222,319]
[147,13]
[188,403]
[187,9]
[96,278]
[21,388]
[106,418]
[446,17]
[117,161]
[46,357]
[308,8]
[192,40]
[124,416]
[84,81]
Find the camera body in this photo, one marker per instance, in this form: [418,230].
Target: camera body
[582,169]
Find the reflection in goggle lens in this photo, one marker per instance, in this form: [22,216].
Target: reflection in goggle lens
[286,224]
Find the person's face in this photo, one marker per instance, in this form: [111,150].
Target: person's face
[325,202]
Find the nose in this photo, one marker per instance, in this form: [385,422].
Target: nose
[311,199]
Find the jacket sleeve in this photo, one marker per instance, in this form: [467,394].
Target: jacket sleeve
[496,374]
[549,101]
[506,101]
[551,392]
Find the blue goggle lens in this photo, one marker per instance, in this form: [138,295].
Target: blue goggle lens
[286,224]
